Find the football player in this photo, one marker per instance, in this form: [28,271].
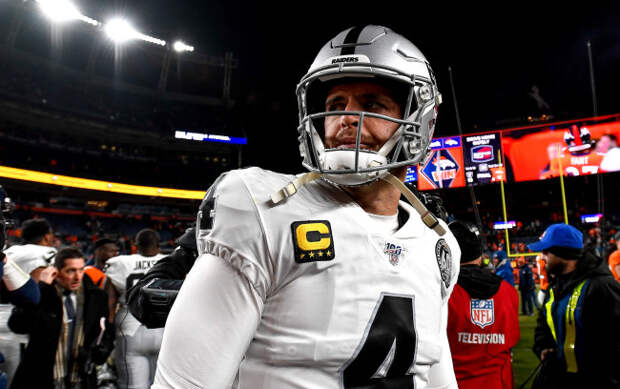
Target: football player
[35,255]
[137,346]
[326,279]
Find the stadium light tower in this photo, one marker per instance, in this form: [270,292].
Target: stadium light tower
[180,47]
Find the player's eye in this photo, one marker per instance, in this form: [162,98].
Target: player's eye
[335,106]
[373,105]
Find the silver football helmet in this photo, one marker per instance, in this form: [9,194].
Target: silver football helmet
[370,53]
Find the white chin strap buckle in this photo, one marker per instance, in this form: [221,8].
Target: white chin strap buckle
[292,187]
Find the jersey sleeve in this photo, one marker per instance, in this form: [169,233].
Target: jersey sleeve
[209,327]
[116,273]
[229,226]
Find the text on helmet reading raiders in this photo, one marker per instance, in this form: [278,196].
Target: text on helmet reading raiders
[345,59]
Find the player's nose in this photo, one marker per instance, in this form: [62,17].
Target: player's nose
[351,120]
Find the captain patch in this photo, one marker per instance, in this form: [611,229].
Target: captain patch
[312,241]
[444,260]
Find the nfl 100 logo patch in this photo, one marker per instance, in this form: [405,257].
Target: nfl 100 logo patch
[393,252]
[482,312]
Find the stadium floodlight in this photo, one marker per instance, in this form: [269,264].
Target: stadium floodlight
[120,31]
[180,47]
[60,10]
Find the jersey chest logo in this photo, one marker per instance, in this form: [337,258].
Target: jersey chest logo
[393,251]
[482,312]
[444,261]
[312,241]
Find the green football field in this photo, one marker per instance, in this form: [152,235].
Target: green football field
[524,361]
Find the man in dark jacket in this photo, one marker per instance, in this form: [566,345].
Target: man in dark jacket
[66,330]
[483,319]
[164,279]
[577,335]
[527,288]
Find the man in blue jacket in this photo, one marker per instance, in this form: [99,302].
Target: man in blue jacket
[503,269]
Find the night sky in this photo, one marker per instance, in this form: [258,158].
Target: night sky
[496,53]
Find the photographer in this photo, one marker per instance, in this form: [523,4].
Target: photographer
[68,329]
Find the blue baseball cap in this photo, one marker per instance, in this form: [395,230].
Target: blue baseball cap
[559,235]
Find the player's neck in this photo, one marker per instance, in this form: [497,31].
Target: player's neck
[380,197]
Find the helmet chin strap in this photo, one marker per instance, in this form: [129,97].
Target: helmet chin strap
[292,187]
[427,217]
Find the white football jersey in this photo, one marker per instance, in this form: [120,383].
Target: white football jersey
[31,256]
[124,271]
[309,293]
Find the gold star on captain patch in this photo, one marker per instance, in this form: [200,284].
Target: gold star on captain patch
[329,253]
[302,256]
[320,253]
[311,255]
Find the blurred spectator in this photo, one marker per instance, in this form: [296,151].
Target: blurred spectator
[104,249]
[614,258]
[527,288]
[483,319]
[543,279]
[577,333]
[504,268]
[66,330]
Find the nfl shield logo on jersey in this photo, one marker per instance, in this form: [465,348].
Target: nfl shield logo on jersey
[482,312]
[393,252]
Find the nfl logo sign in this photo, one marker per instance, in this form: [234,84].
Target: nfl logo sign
[482,312]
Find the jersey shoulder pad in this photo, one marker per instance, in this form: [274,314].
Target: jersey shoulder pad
[231,225]
[236,193]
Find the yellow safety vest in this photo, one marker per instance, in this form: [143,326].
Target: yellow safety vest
[571,331]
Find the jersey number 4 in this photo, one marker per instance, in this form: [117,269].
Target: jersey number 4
[387,352]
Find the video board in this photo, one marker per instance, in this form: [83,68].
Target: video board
[481,156]
[572,148]
[444,168]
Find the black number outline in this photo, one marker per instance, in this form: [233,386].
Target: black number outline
[391,380]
